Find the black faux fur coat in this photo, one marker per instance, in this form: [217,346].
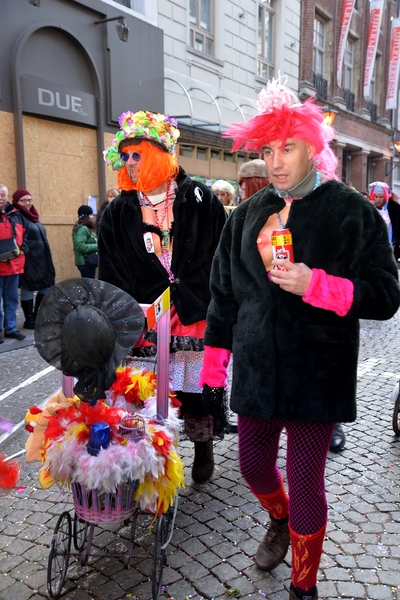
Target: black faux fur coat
[199,218]
[290,360]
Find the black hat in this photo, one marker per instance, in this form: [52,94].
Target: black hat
[85,210]
[85,328]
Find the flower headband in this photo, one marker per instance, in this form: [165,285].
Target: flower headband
[144,125]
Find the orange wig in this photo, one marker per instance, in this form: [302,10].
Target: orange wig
[157,166]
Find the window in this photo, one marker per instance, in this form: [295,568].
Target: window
[266,39]
[348,65]
[319,47]
[201,26]
[186,151]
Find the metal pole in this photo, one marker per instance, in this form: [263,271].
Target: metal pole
[163,335]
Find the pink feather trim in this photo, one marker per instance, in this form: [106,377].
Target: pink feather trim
[214,371]
[330,292]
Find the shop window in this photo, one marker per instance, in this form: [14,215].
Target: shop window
[186,151]
[266,39]
[201,153]
[201,26]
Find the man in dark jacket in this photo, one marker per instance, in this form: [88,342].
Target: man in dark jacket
[293,325]
[160,232]
[10,225]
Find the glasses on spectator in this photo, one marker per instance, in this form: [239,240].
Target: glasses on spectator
[25,200]
[125,156]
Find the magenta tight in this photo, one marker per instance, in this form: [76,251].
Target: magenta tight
[307,448]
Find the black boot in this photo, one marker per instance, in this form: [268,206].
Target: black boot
[38,301]
[27,307]
[338,439]
[203,464]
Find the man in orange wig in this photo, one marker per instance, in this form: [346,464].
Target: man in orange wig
[162,231]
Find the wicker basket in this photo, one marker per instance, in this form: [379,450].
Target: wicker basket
[107,507]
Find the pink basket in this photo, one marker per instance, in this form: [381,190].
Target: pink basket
[107,507]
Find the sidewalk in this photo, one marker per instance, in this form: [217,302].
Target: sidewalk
[219,525]
[11,344]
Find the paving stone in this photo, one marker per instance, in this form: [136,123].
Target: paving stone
[351,590]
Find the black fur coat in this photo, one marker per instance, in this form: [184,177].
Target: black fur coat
[123,260]
[290,360]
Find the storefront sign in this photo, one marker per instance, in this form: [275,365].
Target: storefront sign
[54,100]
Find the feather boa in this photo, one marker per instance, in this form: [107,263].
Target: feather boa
[152,461]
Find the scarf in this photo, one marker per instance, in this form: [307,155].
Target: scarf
[31,214]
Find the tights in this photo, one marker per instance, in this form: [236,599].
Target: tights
[307,448]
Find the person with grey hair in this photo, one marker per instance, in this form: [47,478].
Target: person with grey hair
[252,176]
[224,191]
[11,226]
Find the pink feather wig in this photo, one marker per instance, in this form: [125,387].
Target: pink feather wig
[282,116]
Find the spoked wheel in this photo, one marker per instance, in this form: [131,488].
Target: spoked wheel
[160,552]
[396,399]
[80,532]
[59,555]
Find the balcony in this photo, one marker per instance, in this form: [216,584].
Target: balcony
[349,98]
[373,111]
[321,86]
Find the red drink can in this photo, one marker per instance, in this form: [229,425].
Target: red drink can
[282,245]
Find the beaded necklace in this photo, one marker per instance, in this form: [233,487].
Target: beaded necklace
[290,200]
[166,254]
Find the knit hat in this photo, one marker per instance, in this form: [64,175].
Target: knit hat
[142,125]
[84,211]
[19,194]
[253,168]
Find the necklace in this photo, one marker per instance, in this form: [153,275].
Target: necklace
[289,200]
[166,254]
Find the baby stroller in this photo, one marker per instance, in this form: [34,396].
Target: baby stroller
[121,500]
[395,398]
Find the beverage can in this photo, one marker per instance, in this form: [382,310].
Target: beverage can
[282,246]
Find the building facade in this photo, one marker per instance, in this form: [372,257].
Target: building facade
[365,129]
[70,67]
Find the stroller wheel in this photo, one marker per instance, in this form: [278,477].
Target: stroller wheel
[59,555]
[80,531]
[396,399]
[160,551]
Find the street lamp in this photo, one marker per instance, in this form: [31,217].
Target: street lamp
[329,115]
[396,142]
[122,27]
[390,165]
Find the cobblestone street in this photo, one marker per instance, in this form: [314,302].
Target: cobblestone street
[219,525]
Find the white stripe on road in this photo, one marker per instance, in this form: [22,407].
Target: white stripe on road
[27,382]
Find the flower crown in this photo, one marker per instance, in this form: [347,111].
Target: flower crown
[145,125]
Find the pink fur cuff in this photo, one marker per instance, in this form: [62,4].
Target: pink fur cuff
[330,292]
[214,371]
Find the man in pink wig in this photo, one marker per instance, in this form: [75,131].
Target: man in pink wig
[293,325]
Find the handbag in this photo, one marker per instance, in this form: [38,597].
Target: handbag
[91,260]
[9,247]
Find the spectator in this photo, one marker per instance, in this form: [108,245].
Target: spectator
[252,176]
[84,239]
[38,275]
[11,225]
[184,219]
[293,325]
[224,191]
[110,195]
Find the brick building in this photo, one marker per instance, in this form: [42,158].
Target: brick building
[364,128]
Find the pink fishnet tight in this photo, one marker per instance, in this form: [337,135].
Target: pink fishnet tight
[307,448]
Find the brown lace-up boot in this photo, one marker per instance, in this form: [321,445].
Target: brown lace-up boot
[274,546]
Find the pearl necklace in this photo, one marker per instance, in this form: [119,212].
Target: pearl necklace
[168,200]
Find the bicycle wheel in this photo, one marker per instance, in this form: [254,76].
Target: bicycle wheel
[59,555]
[80,531]
[396,399]
[160,553]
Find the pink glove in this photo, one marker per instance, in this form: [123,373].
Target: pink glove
[214,371]
[330,292]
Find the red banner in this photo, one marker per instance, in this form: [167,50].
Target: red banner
[376,10]
[394,66]
[347,11]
